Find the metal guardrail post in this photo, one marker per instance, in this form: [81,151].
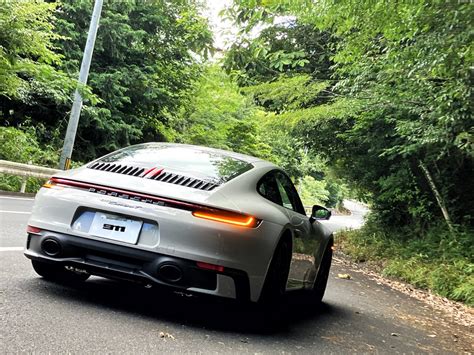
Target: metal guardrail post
[23,184]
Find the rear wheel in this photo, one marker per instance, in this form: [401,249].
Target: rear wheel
[55,272]
[321,281]
[277,276]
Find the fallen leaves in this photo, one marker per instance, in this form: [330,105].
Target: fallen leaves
[344,276]
[166,335]
[460,313]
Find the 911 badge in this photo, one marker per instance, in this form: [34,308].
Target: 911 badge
[115,227]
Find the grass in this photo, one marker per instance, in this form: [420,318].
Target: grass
[433,260]
[13,183]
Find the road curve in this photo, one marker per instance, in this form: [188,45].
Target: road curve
[358,315]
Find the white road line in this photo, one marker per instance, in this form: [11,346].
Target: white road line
[11,248]
[18,212]
[17,198]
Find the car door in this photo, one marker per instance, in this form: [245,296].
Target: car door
[307,235]
[277,187]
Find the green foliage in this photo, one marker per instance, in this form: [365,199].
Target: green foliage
[22,147]
[305,246]
[411,56]
[314,191]
[28,57]
[146,59]
[408,66]
[398,97]
[143,67]
[280,48]
[431,260]
[287,93]
[218,115]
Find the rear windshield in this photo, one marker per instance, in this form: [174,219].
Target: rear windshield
[192,161]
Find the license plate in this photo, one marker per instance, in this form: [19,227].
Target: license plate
[110,226]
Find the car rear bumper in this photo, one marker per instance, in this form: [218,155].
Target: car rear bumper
[121,262]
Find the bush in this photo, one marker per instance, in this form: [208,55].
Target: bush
[305,246]
[22,147]
[434,260]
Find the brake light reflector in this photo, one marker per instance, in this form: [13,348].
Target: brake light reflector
[33,230]
[233,218]
[207,266]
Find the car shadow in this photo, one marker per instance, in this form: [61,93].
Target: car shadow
[196,311]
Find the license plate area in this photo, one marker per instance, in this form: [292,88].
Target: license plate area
[114,227]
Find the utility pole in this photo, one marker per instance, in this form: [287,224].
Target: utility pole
[65,161]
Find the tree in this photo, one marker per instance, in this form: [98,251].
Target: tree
[219,115]
[397,122]
[146,58]
[289,48]
[286,70]
[28,56]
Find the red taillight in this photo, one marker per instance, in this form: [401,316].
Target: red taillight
[233,218]
[33,230]
[212,267]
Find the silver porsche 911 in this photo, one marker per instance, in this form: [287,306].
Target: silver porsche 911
[195,219]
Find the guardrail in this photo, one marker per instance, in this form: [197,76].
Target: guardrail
[25,171]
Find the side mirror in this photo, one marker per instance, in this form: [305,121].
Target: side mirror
[319,212]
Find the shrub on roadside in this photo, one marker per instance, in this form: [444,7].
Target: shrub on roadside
[434,260]
[21,146]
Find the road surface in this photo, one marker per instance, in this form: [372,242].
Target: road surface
[102,316]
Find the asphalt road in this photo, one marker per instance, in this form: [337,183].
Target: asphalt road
[102,316]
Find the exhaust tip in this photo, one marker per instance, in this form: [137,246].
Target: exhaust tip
[170,273]
[51,247]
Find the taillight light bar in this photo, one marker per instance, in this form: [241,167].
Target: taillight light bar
[199,211]
[237,219]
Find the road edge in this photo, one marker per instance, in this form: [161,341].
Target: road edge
[17,194]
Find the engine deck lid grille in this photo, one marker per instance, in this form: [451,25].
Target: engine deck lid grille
[157,174]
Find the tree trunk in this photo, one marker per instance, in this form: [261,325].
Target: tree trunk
[438,197]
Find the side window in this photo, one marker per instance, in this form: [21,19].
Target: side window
[292,200]
[268,188]
[278,188]
[285,199]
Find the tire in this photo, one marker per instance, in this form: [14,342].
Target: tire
[57,272]
[321,281]
[277,276]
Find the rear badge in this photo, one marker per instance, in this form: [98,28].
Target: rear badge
[115,227]
[111,227]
